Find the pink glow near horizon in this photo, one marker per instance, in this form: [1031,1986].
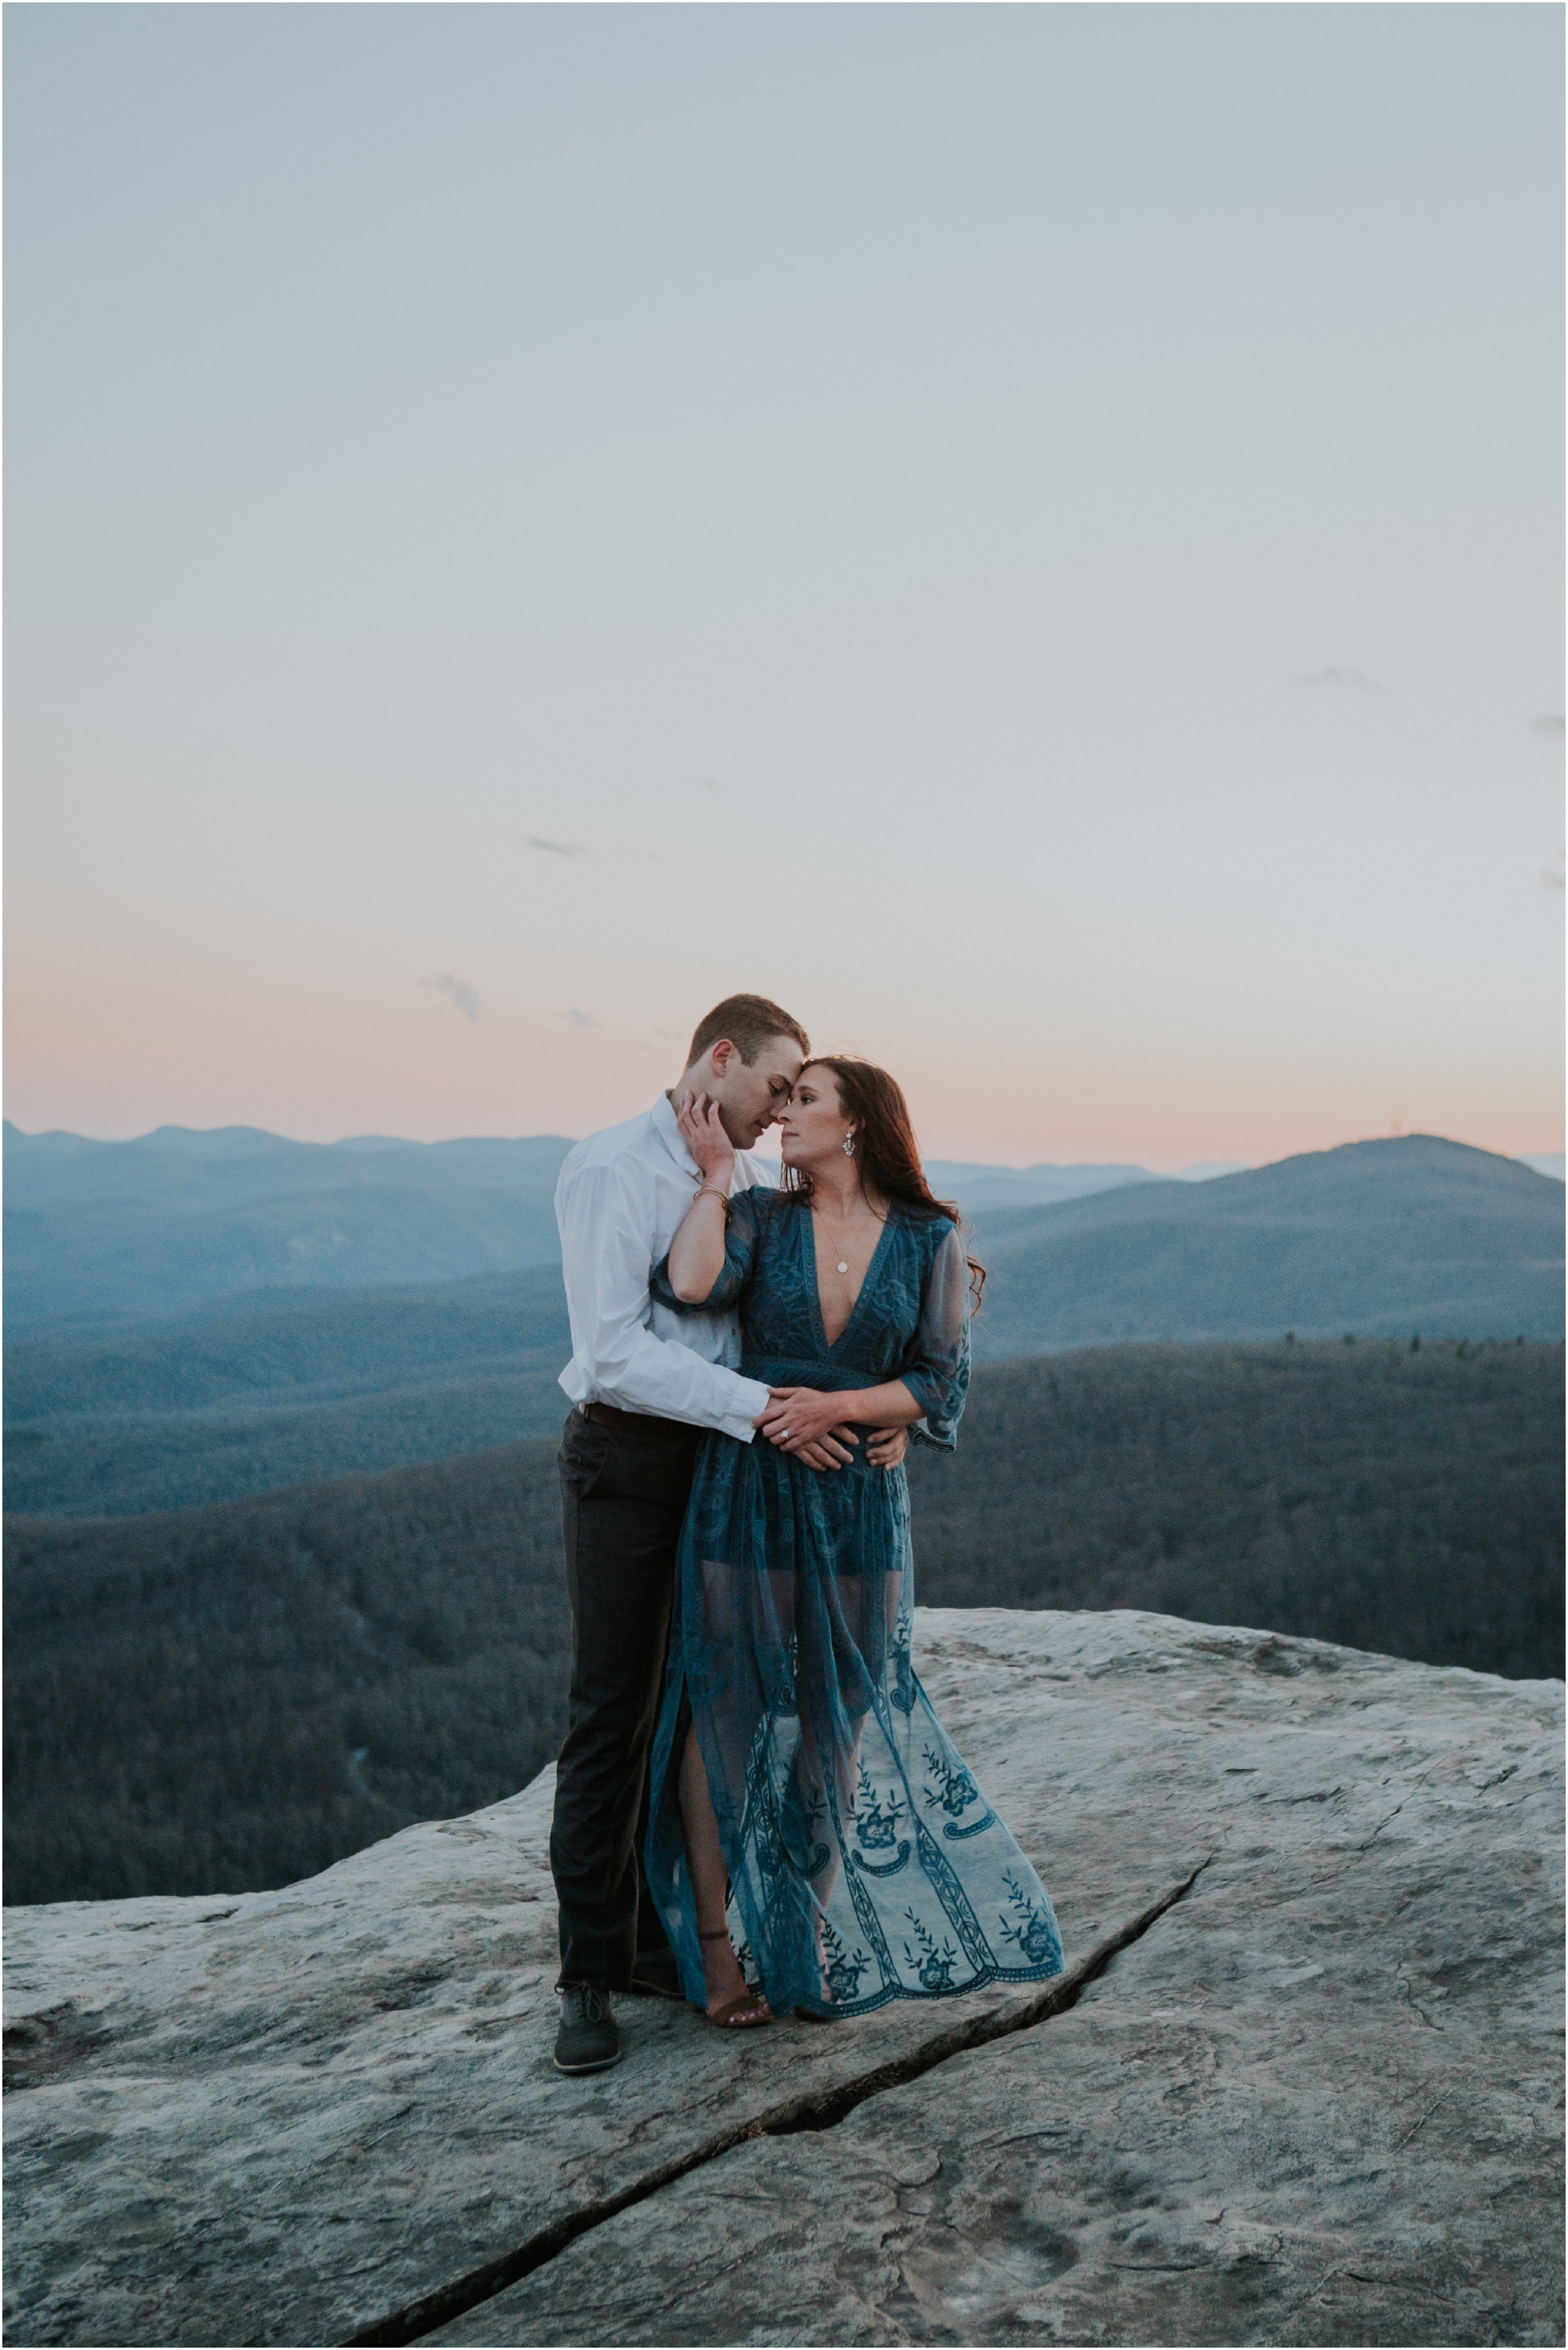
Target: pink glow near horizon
[1098,656]
[430,1078]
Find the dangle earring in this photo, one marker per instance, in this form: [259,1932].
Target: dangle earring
[849,1145]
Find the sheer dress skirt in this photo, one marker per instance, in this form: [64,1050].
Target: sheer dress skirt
[865,1864]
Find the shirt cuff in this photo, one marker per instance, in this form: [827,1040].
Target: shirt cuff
[738,1423]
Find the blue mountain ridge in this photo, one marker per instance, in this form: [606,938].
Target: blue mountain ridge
[233,1349]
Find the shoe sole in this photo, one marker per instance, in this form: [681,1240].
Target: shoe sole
[599,2064]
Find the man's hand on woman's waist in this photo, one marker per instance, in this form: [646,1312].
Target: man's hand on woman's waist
[828,1446]
[805,1421]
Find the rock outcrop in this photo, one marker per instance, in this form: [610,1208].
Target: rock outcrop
[1300,2084]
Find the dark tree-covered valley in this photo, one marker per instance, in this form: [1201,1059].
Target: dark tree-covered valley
[232,1697]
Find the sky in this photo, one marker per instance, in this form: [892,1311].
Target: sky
[1031,534]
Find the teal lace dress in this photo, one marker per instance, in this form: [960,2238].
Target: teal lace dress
[864,1863]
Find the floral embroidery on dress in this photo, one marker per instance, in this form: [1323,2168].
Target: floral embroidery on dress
[901,1687]
[1037,1937]
[934,1968]
[863,1856]
[840,1972]
[877,1830]
[955,1791]
[876,1822]
[805,1813]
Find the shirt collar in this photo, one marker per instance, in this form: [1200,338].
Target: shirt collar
[669,1134]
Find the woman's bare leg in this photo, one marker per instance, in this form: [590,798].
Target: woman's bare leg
[705,1861]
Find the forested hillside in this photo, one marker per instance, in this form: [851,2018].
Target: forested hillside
[160,1416]
[1383,1239]
[236,1697]
[232,1697]
[238,1396]
[127,1465]
[105,1231]
[1405,1500]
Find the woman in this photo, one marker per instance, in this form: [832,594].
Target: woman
[797,1756]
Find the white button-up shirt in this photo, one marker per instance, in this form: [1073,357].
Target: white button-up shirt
[620,1199]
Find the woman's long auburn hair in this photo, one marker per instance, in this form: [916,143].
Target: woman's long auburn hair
[884,1144]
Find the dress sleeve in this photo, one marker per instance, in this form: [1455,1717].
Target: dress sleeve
[746,1211]
[938,1373]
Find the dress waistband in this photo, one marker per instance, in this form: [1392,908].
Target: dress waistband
[778,1371]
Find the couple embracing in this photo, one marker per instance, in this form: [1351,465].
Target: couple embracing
[756,1808]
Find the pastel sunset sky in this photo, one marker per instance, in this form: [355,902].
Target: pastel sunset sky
[1030,534]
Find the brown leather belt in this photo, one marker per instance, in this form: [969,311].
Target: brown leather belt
[635,1423]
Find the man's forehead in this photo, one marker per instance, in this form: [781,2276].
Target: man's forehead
[781,1056]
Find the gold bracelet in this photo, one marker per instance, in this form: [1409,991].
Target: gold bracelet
[711,1190]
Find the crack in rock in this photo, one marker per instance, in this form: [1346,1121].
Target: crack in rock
[823,2111]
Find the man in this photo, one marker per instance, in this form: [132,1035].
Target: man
[645,1384]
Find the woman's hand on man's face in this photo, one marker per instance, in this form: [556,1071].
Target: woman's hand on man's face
[702,1131]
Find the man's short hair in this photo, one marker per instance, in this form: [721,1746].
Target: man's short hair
[748,1022]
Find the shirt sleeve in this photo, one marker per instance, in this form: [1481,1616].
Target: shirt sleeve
[938,1374]
[739,1257]
[604,1250]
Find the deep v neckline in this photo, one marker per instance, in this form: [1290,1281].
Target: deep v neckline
[830,1345]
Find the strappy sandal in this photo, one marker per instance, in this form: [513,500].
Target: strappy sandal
[748,2012]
